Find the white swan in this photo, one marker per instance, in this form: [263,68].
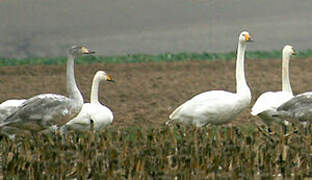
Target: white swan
[218,106]
[46,110]
[268,102]
[93,113]
[9,106]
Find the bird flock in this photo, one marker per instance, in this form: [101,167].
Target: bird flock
[216,107]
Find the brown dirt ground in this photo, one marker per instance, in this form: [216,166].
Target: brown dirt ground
[146,93]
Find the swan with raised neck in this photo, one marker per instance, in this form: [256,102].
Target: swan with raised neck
[218,106]
[268,102]
[94,113]
[46,110]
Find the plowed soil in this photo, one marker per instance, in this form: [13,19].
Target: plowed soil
[144,94]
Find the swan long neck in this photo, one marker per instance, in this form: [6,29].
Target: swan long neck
[72,88]
[241,84]
[285,74]
[95,89]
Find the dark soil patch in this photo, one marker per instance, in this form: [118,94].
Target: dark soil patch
[146,93]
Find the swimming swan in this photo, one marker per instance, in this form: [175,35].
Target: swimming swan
[218,106]
[268,102]
[46,110]
[94,113]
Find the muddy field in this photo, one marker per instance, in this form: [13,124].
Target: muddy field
[145,94]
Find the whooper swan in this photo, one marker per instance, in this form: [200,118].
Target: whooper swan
[298,108]
[46,110]
[93,114]
[268,102]
[218,106]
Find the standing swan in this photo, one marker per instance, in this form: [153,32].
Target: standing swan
[93,113]
[46,110]
[218,106]
[268,102]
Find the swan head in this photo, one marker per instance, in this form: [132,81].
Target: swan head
[245,37]
[104,76]
[79,50]
[289,50]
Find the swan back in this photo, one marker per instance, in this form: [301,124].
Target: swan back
[9,106]
[298,108]
[91,114]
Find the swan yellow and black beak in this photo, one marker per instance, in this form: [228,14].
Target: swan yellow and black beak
[109,78]
[84,50]
[294,52]
[248,38]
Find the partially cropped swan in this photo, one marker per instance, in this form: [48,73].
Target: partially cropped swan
[218,106]
[93,114]
[46,110]
[298,108]
[9,106]
[268,102]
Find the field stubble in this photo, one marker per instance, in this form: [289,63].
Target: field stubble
[142,97]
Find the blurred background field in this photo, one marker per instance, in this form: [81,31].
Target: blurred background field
[36,28]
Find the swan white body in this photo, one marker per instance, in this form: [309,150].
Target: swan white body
[46,110]
[218,106]
[93,114]
[9,106]
[267,103]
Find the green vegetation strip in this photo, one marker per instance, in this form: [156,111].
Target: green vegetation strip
[175,152]
[152,58]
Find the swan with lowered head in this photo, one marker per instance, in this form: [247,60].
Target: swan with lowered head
[268,102]
[46,110]
[218,106]
[94,113]
[298,108]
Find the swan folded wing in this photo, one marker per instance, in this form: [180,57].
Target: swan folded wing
[9,107]
[101,115]
[81,121]
[298,108]
[6,112]
[270,101]
[41,112]
[12,102]
[296,102]
[215,107]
